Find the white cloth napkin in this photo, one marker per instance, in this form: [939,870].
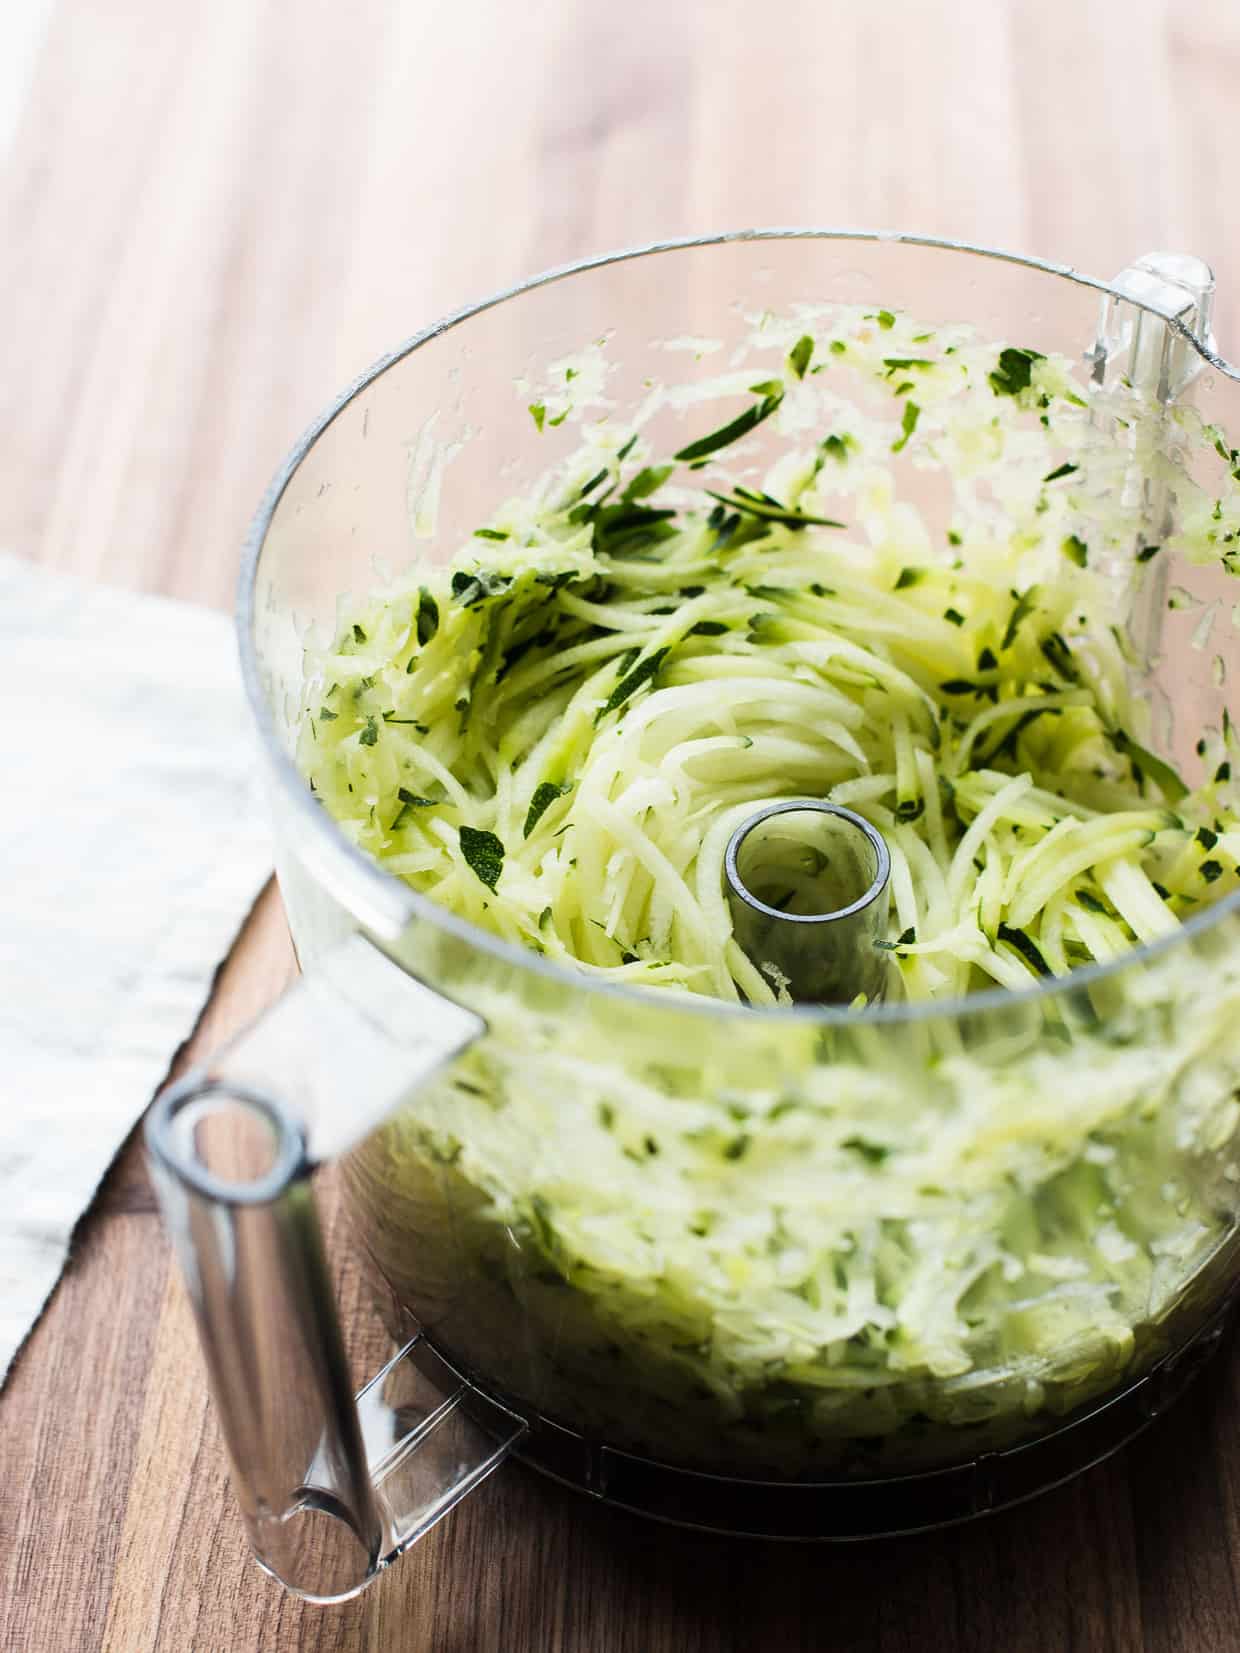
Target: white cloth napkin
[133,841]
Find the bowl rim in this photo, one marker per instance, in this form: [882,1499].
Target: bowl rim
[390,905]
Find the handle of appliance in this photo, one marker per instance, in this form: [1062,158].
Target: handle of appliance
[332,1489]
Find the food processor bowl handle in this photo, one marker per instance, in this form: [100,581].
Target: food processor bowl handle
[332,1489]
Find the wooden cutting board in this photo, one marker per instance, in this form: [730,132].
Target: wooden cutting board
[213,214]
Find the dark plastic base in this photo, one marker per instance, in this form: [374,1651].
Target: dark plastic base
[848,1509]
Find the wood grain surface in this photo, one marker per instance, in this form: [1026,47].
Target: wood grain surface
[215,212]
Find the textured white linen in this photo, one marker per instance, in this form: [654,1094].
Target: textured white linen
[133,842]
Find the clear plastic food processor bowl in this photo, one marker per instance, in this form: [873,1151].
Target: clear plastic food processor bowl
[557,1302]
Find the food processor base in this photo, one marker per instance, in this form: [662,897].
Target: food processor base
[850,1509]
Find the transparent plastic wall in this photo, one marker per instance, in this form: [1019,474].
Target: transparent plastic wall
[589,1214]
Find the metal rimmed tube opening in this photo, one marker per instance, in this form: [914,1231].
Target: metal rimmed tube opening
[807,887]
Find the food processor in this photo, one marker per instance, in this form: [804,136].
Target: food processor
[399,1050]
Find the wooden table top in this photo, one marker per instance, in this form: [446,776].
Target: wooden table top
[213,213]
